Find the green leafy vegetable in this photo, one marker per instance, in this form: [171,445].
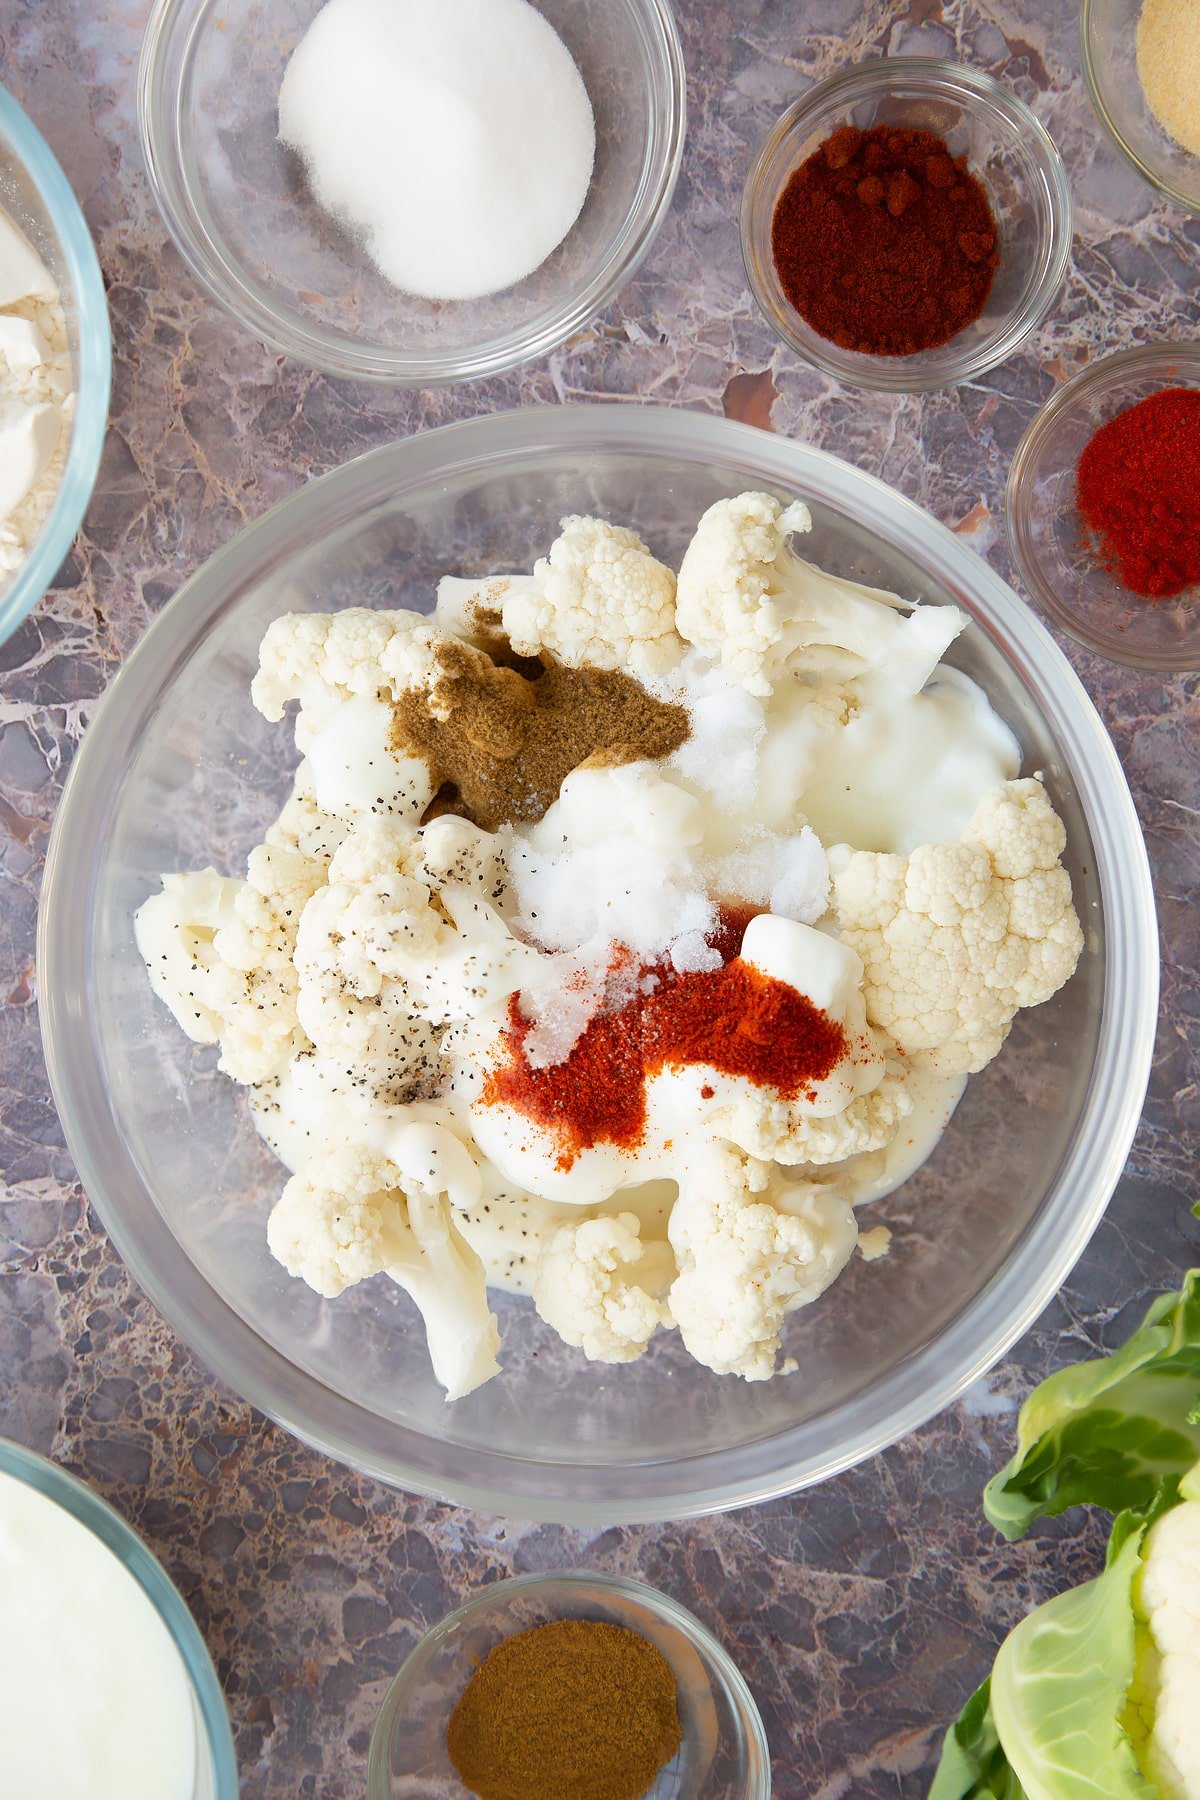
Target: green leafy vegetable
[1109,1431]
[1075,1708]
[973,1766]
[1059,1690]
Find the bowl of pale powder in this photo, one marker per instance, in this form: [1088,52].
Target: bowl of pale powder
[1141,61]
[54,366]
[413,191]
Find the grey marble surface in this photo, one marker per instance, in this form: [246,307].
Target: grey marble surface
[861,1613]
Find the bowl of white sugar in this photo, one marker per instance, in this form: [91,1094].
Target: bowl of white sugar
[94,1638]
[413,191]
[55,353]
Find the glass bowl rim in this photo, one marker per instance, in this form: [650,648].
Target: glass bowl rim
[1141,358]
[664,1608]
[103,1521]
[57,531]
[1095,92]
[941,75]
[712,1480]
[250,304]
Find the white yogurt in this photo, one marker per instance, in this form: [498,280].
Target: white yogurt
[94,1698]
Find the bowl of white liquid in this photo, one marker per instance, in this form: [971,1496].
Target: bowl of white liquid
[93,1632]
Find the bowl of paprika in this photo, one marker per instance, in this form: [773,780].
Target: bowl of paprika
[1103,507]
[548,1683]
[906,225]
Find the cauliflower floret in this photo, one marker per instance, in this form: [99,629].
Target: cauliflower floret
[600,1287]
[302,825]
[1167,1605]
[956,938]
[402,940]
[784,1131]
[220,953]
[751,1248]
[355,1211]
[599,600]
[758,609]
[323,659]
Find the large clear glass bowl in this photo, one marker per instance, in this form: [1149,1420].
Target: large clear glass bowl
[239,208]
[38,198]
[216,1768]
[178,770]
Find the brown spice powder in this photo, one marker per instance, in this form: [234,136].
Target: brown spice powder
[579,1709]
[499,742]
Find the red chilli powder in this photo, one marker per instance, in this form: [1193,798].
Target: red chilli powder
[1138,493]
[733,1019]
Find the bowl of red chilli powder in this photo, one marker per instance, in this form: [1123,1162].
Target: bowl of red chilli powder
[1104,507]
[906,224]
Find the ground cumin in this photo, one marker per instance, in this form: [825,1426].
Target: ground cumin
[576,1710]
[500,742]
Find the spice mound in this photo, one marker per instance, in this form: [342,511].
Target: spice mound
[1168,66]
[885,242]
[625,928]
[579,1708]
[1138,493]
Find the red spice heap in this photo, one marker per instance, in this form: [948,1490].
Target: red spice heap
[1138,492]
[884,242]
[734,1019]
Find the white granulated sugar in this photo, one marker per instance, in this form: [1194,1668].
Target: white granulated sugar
[36,400]
[788,875]
[455,136]
[728,725]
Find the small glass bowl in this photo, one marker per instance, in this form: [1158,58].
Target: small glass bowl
[39,199]
[239,208]
[1108,52]
[1008,151]
[1065,575]
[216,1775]
[724,1753]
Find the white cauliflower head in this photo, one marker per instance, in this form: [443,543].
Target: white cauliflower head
[751,1248]
[759,610]
[601,1287]
[1167,1608]
[354,1211]
[956,938]
[599,599]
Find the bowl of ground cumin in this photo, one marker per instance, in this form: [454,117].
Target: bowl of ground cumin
[569,1684]
[906,225]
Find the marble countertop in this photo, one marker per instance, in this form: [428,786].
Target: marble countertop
[864,1612]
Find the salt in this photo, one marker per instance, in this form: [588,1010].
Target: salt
[455,137]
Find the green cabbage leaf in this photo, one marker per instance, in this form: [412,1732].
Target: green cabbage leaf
[1110,1431]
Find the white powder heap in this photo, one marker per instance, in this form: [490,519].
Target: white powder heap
[36,399]
[456,136]
[1168,63]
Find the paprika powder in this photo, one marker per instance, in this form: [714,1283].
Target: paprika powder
[579,1709]
[884,242]
[734,1019]
[1138,493]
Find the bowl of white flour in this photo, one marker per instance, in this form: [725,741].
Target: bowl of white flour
[55,352]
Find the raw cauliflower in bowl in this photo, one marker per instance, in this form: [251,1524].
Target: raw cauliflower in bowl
[623,932]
